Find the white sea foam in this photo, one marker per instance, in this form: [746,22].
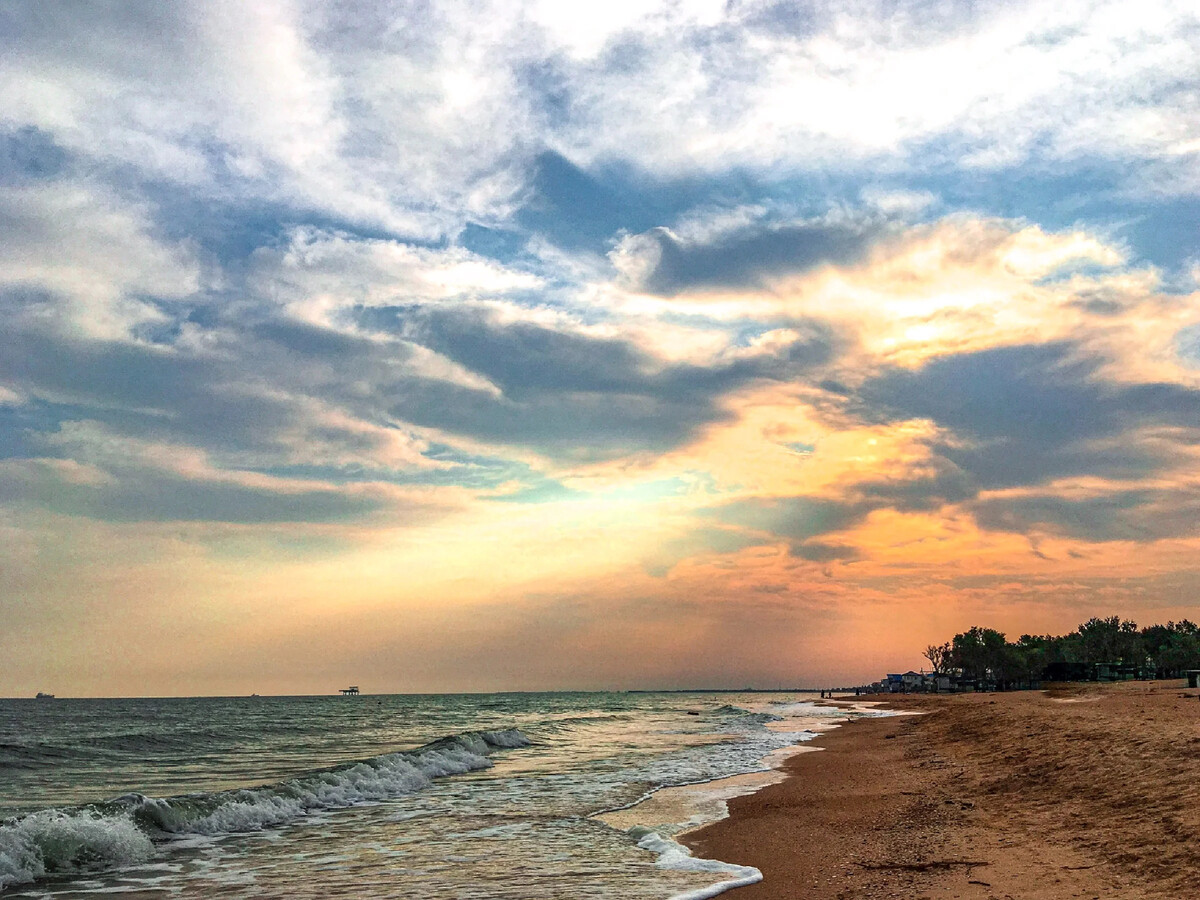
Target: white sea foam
[52,841]
[766,738]
[90,839]
[673,855]
[809,709]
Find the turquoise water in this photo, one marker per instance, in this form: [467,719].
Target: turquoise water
[441,796]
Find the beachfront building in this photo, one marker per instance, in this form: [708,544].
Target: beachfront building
[913,681]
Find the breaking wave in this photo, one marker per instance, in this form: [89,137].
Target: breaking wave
[123,831]
[738,717]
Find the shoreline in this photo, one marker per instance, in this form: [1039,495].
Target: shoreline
[987,796]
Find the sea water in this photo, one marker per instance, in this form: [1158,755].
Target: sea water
[438,796]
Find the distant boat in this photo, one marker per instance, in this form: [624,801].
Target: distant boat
[351,691]
[41,696]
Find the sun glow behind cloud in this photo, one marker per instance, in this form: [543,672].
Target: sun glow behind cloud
[693,344]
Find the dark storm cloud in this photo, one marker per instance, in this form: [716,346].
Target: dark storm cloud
[794,518]
[1031,413]
[801,521]
[570,394]
[1131,515]
[155,392]
[1014,417]
[1020,417]
[248,386]
[140,495]
[750,256]
[935,485]
[817,551]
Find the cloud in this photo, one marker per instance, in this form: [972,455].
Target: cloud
[566,393]
[818,551]
[379,124]
[660,262]
[1026,414]
[135,495]
[826,84]
[28,154]
[1142,514]
[96,253]
[317,274]
[720,295]
[796,518]
[415,121]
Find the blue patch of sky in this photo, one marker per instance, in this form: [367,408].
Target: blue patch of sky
[578,210]
[588,210]
[1097,194]
[30,154]
[23,426]
[230,222]
[164,331]
[1187,345]
[503,244]
[232,229]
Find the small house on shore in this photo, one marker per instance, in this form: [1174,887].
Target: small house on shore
[912,682]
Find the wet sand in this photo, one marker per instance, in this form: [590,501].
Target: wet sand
[1079,792]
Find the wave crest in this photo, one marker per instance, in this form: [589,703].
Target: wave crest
[119,832]
[53,841]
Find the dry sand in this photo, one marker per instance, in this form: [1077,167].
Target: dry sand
[1079,792]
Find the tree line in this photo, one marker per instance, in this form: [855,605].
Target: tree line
[983,654]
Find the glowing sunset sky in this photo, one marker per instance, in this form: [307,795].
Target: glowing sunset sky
[528,346]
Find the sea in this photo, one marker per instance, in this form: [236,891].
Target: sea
[521,795]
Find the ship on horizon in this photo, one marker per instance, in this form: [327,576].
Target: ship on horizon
[43,696]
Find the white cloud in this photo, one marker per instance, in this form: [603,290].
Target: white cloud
[318,274]
[1081,78]
[415,118]
[93,253]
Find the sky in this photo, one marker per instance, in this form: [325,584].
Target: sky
[480,346]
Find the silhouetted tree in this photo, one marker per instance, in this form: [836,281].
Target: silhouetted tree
[1109,640]
[938,655]
[984,655]
[1172,648]
[979,653]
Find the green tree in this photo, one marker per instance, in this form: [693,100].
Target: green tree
[1109,641]
[979,653]
[1172,648]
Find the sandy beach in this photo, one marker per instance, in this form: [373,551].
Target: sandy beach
[1082,791]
